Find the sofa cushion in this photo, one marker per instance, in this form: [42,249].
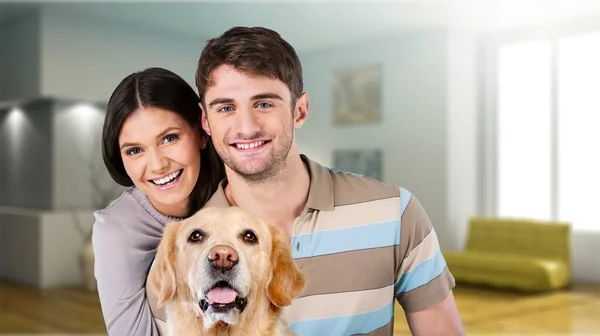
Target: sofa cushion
[546,240]
[509,263]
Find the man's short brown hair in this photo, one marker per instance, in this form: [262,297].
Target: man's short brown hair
[257,51]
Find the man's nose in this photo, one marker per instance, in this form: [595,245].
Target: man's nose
[223,257]
[247,122]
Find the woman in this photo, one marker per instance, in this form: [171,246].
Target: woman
[152,143]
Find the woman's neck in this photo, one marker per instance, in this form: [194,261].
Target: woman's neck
[175,211]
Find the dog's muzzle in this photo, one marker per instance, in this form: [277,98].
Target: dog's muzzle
[219,307]
[222,296]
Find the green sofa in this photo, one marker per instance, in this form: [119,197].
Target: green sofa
[514,253]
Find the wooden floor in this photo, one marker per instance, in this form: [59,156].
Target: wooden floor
[484,312]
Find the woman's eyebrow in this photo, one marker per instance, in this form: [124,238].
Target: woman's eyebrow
[160,135]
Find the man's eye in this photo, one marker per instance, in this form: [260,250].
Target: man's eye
[225,109]
[264,105]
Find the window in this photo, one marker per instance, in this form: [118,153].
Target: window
[578,126]
[523,119]
[547,114]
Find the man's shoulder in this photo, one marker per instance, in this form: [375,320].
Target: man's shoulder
[378,202]
[349,188]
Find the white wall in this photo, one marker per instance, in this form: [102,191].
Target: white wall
[586,249]
[413,132]
[85,57]
[462,124]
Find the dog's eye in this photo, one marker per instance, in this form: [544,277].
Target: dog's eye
[250,237]
[196,236]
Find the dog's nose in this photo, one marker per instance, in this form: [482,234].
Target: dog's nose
[223,257]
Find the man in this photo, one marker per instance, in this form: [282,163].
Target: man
[360,242]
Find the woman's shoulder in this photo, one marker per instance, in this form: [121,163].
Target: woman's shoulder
[130,212]
[119,209]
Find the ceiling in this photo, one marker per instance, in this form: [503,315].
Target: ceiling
[312,24]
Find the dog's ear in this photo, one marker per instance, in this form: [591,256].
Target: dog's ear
[162,277]
[286,280]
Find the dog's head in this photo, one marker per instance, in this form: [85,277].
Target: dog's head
[222,261]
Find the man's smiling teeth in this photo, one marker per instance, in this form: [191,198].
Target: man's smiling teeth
[250,145]
[167,179]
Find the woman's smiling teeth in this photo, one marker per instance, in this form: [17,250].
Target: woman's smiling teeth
[168,179]
[250,145]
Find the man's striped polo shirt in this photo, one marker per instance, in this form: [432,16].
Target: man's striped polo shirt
[361,244]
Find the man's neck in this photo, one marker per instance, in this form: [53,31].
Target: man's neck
[279,200]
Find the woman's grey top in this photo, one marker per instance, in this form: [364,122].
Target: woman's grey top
[125,237]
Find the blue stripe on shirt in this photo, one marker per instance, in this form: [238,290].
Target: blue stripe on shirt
[347,239]
[421,274]
[346,325]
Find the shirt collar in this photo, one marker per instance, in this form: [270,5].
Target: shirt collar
[320,192]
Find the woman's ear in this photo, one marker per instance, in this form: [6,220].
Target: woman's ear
[203,140]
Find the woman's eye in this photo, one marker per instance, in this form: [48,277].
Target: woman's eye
[171,137]
[133,151]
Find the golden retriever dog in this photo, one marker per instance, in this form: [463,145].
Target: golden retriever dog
[223,271]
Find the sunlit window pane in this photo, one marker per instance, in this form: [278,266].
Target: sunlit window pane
[579,125]
[524,130]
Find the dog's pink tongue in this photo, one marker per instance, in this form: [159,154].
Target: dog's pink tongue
[221,295]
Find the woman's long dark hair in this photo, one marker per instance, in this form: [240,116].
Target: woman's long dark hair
[160,88]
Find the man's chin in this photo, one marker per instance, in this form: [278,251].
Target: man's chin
[253,171]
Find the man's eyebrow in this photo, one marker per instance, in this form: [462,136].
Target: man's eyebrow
[220,101]
[268,95]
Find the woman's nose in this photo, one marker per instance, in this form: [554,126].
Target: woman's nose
[158,162]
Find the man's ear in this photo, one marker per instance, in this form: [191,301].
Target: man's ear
[204,120]
[301,110]
[163,277]
[286,280]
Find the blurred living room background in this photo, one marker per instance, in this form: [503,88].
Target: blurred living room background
[485,110]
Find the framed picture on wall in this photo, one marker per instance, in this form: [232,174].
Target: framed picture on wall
[357,95]
[366,162]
